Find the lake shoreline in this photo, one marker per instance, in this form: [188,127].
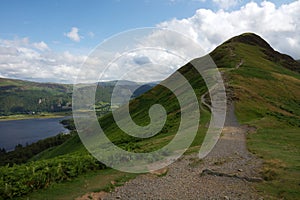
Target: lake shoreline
[28,131]
[38,116]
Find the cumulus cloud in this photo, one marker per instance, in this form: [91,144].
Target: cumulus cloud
[280,26]
[24,60]
[73,34]
[157,54]
[41,46]
[226,4]
[141,60]
[142,65]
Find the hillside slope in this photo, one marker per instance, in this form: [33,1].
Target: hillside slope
[261,88]
[265,88]
[265,82]
[26,97]
[19,96]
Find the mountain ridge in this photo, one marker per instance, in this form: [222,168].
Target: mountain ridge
[255,40]
[27,97]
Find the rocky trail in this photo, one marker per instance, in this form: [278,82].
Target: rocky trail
[228,172]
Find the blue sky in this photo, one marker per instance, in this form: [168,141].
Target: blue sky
[75,27]
[48,20]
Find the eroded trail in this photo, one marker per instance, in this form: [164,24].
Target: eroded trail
[228,172]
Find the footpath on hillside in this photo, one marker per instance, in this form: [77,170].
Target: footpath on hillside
[228,172]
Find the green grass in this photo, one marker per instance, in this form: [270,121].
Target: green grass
[279,147]
[139,111]
[267,97]
[90,182]
[19,180]
[70,146]
[39,116]
[277,139]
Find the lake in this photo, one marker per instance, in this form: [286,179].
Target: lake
[27,131]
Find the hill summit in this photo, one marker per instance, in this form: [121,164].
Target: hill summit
[254,40]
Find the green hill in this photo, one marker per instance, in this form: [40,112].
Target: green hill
[265,87]
[266,83]
[26,97]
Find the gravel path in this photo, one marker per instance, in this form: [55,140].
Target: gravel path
[228,172]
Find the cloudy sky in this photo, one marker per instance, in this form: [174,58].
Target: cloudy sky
[48,41]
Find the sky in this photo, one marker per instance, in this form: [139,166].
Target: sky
[49,41]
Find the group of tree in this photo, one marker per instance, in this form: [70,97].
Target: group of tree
[22,154]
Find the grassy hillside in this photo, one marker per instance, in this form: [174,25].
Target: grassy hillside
[68,154]
[24,97]
[266,87]
[139,108]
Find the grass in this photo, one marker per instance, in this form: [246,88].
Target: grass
[39,116]
[280,150]
[139,112]
[70,146]
[268,98]
[91,182]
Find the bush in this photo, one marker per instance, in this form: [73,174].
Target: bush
[19,180]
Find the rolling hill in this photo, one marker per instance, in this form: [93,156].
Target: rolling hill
[26,97]
[19,96]
[264,86]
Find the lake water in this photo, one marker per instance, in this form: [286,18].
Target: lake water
[28,131]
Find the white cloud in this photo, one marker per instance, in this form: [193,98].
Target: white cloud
[280,26]
[41,46]
[73,34]
[16,42]
[24,60]
[226,4]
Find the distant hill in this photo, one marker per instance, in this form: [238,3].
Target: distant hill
[26,97]
[17,96]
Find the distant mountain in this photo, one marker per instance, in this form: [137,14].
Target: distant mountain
[18,96]
[124,86]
